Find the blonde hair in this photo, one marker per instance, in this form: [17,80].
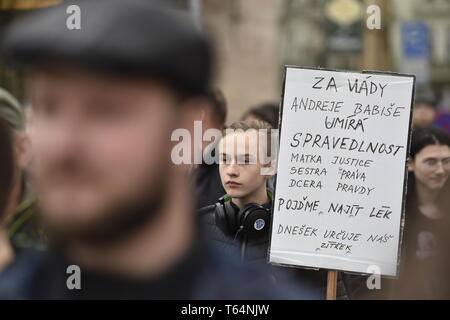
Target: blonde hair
[249,125]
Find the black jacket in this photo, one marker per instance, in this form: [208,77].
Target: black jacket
[208,186]
[254,251]
[204,273]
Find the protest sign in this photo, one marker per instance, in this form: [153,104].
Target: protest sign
[342,169]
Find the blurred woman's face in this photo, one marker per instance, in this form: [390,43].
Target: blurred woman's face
[431,166]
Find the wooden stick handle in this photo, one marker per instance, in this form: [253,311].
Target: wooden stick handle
[332,284]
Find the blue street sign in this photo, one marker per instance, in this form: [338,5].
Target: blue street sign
[415,39]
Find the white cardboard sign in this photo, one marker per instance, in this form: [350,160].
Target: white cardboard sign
[342,168]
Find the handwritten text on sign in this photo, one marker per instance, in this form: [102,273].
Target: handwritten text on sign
[341,170]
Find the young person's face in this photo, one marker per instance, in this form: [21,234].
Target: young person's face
[240,164]
[431,166]
[100,148]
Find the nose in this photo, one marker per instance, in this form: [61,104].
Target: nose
[233,170]
[64,136]
[440,168]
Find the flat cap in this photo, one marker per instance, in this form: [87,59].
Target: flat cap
[10,110]
[133,37]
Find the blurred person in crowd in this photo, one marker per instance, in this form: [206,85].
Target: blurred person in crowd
[6,182]
[104,102]
[424,112]
[239,222]
[442,121]
[427,216]
[267,112]
[207,179]
[20,221]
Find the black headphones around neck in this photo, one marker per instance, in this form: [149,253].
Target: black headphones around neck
[252,220]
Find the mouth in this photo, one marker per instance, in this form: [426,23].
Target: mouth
[232,184]
[438,179]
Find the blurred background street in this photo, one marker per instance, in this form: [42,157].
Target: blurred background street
[255,38]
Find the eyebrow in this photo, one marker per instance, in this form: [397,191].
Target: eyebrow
[434,158]
[245,155]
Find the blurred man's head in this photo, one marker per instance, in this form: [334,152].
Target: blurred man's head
[245,152]
[217,108]
[104,103]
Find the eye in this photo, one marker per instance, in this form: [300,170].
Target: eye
[46,107]
[224,159]
[245,160]
[446,162]
[105,109]
[431,162]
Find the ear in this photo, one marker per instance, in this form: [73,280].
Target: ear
[410,163]
[21,149]
[29,117]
